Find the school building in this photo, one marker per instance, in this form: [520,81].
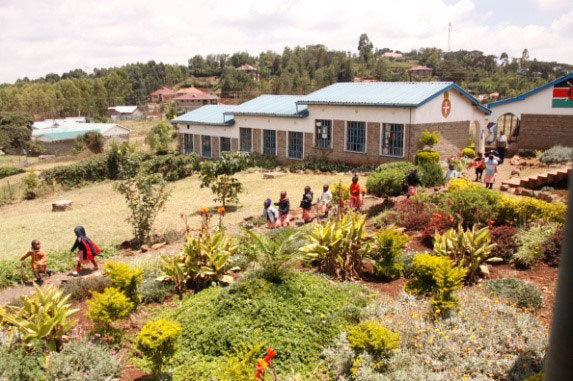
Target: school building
[538,119]
[357,123]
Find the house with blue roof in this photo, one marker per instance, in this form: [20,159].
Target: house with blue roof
[358,123]
[538,119]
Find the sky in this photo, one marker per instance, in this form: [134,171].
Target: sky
[38,37]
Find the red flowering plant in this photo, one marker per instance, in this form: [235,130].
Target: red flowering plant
[264,364]
[440,222]
[206,217]
[221,212]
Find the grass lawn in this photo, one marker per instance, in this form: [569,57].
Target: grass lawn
[102,211]
[16,160]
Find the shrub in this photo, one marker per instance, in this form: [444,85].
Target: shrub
[32,186]
[80,289]
[523,210]
[10,171]
[19,364]
[387,251]
[426,157]
[323,164]
[527,153]
[505,241]
[439,223]
[145,196]
[460,183]
[470,153]
[431,174]
[338,246]
[551,248]
[172,167]
[531,244]
[340,193]
[156,341]
[125,278]
[83,360]
[473,205]
[86,171]
[161,136]
[218,176]
[45,316]
[516,291]
[469,249]
[373,338]
[109,306]
[557,154]
[430,139]
[154,291]
[92,140]
[388,179]
[263,161]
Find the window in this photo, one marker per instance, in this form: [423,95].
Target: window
[269,142]
[323,133]
[295,145]
[187,143]
[205,146]
[356,136]
[392,139]
[246,139]
[225,144]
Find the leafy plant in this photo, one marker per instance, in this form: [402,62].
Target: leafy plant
[470,153]
[414,214]
[338,246]
[10,171]
[505,241]
[81,288]
[218,176]
[429,139]
[109,306]
[145,196]
[427,157]
[531,244]
[387,251]
[32,186]
[527,153]
[431,174]
[523,210]
[516,291]
[156,341]
[440,222]
[92,140]
[83,360]
[552,247]
[557,154]
[388,179]
[21,364]
[125,278]
[340,193]
[372,337]
[473,205]
[45,316]
[468,248]
[174,269]
[161,136]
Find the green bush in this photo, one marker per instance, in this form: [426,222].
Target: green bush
[173,167]
[320,163]
[33,187]
[372,337]
[156,341]
[19,364]
[125,278]
[527,153]
[10,171]
[109,306]
[431,174]
[557,154]
[153,291]
[88,170]
[92,140]
[473,205]
[83,360]
[470,153]
[305,309]
[388,179]
[80,289]
[430,139]
[424,157]
[387,252]
[516,291]
[531,244]
[523,210]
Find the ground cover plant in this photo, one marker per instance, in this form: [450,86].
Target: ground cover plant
[557,154]
[297,317]
[517,292]
[551,248]
[10,171]
[531,244]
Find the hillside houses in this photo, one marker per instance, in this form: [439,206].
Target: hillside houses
[125,113]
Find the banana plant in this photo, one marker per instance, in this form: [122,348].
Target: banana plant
[44,316]
[468,248]
[174,270]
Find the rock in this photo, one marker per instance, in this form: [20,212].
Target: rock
[546,196]
[494,260]
[536,193]
[61,205]
[515,173]
[248,218]
[144,248]
[158,246]
[528,193]
[515,160]
[308,172]
[273,175]
[518,191]
[300,172]
[503,187]
[45,157]
[484,271]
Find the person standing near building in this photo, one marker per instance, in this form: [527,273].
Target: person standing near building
[501,146]
[306,204]
[271,214]
[325,200]
[284,209]
[355,194]
[490,171]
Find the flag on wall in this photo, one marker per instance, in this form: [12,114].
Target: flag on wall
[563,94]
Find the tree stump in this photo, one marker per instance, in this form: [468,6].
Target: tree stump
[61,205]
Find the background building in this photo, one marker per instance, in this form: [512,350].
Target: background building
[125,113]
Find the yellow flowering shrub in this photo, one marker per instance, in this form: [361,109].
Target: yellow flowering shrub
[461,183]
[522,210]
[156,341]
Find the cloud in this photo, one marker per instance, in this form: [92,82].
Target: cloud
[56,36]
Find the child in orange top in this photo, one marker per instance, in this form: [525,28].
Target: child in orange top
[38,261]
[355,194]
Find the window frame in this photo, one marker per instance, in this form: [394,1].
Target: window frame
[346,136]
[191,138]
[317,136]
[221,150]
[288,145]
[263,141]
[210,146]
[241,129]
[382,138]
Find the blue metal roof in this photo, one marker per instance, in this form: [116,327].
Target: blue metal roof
[66,135]
[272,105]
[208,114]
[529,93]
[383,94]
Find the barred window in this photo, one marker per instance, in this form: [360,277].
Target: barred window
[323,133]
[187,143]
[295,145]
[392,139]
[356,136]
[269,142]
[225,144]
[205,146]
[246,139]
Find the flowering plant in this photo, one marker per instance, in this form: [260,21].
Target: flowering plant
[265,363]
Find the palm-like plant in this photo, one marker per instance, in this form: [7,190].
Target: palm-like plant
[174,269]
[274,254]
[44,316]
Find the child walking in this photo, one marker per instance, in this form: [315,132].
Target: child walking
[490,171]
[38,261]
[284,209]
[306,204]
[87,249]
[325,200]
[479,163]
[355,194]
[271,214]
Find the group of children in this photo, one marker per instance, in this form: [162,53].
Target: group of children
[280,217]
[486,168]
[87,250]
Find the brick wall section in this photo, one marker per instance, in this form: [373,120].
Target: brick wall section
[215,146]
[234,144]
[257,138]
[545,131]
[197,144]
[455,137]
[281,145]
[309,150]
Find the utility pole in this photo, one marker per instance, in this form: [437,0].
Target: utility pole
[449,36]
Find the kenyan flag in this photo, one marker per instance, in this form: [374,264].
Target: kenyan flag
[563,94]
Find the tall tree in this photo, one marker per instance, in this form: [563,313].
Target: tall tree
[365,48]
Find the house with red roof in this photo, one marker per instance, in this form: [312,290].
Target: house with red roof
[164,94]
[191,98]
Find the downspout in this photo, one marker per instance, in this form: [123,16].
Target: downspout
[410,134]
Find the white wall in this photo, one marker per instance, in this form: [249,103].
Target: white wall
[116,131]
[461,110]
[275,123]
[539,103]
[199,129]
[359,113]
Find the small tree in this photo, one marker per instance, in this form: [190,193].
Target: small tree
[32,186]
[161,136]
[218,175]
[156,341]
[146,196]
[92,140]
